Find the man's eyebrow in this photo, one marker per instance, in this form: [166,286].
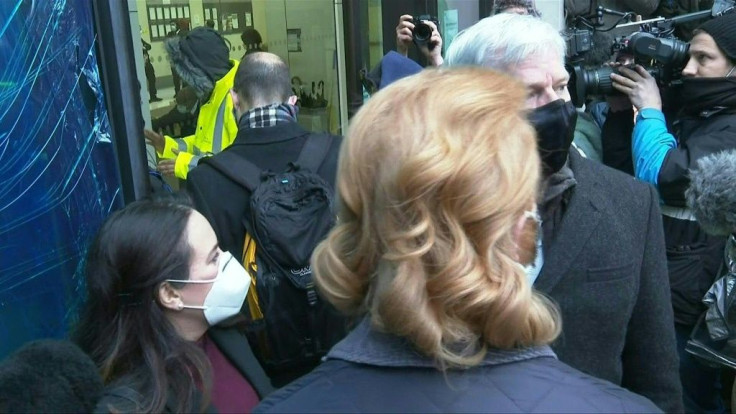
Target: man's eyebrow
[702,50]
[535,85]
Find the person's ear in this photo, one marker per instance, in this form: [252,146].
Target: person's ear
[236,99]
[292,100]
[169,297]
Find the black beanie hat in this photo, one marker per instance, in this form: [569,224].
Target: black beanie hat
[723,30]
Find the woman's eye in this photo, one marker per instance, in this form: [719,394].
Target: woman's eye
[215,258]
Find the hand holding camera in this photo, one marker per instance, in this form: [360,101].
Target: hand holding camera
[423,32]
[639,85]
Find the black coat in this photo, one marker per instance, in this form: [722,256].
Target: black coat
[698,136]
[606,268]
[694,258]
[371,372]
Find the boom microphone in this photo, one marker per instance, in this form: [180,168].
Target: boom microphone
[49,376]
[712,193]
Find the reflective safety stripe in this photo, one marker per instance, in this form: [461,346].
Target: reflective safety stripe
[679,213]
[219,126]
[181,145]
[193,162]
[249,263]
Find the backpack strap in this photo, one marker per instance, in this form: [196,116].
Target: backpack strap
[235,168]
[248,175]
[314,152]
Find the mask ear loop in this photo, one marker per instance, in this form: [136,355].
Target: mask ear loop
[731,71]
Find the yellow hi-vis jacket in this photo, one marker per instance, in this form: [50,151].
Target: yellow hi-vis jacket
[216,128]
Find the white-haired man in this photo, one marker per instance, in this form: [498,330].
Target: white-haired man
[602,254]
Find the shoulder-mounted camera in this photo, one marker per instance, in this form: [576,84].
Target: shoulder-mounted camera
[653,45]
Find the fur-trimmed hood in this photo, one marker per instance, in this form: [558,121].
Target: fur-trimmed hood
[201,58]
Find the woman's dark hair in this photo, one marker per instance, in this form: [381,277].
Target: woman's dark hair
[123,327]
[251,38]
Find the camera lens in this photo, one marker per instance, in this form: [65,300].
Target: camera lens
[422,32]
[598,81]
[585,82]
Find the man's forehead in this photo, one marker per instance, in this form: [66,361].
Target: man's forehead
[703,42]
[541,68]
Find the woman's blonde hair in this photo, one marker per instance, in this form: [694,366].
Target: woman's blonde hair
[435,173]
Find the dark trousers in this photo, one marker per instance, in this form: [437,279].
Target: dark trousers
[176,79]
[151,80]
[701,384]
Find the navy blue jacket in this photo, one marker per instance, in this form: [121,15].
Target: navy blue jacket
[374,372]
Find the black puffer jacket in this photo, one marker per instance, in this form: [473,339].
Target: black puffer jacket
[694,258]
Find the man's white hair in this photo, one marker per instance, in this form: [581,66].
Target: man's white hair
[503,41]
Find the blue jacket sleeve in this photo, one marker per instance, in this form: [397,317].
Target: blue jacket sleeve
[650,144]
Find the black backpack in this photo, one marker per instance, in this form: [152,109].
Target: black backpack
[289,326]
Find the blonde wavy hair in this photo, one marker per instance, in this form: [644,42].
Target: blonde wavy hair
[434,176]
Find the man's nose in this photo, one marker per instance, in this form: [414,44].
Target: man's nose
[690,68]
[548,96]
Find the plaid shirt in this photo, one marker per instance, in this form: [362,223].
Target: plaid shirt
[268,116]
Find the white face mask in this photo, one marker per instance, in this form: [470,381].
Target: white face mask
[228,291]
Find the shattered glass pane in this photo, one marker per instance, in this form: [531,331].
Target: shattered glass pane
[58,171]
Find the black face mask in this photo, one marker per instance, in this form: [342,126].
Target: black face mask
[555,126]
[697,94]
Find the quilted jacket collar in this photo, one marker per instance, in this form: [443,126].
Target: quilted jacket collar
[365,345]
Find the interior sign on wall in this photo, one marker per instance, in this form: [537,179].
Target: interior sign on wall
[294,40]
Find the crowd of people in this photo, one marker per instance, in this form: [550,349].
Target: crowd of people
[456,251]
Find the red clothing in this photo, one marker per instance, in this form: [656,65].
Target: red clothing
[231,392]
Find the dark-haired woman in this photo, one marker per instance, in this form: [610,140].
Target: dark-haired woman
[251,41]
[157,284]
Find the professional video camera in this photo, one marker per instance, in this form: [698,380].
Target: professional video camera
[422,31]
[653,46]
[663,57]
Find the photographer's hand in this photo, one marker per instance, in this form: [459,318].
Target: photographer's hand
[639,86]
[404,34]
[434,56]
[618,102]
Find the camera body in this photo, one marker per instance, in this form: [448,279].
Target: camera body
[578,41]
[422,31]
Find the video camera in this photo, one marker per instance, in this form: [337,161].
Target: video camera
[422,31]
[653,46]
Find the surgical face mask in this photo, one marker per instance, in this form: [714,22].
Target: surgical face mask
[555,126]
[228,291]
